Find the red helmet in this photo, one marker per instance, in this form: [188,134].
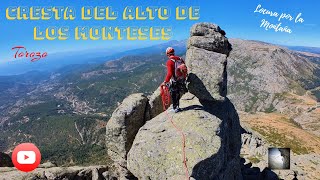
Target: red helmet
[170,51]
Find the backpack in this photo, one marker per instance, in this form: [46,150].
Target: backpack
[180,70]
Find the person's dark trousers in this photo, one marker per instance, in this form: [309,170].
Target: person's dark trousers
[176,90]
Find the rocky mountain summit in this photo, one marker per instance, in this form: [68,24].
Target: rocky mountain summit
[272,90]
[208,120]
[206,59]
[212,143]
[217,146]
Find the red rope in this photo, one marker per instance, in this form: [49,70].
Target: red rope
[165,95]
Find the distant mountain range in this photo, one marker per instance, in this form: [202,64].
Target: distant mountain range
[64,111]
[315,50]
[59,60]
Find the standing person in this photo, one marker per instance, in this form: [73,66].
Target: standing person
[175,78]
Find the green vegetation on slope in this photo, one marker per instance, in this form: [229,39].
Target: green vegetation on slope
[51,125]
[278,139]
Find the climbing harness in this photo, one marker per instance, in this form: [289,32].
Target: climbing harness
[165,96]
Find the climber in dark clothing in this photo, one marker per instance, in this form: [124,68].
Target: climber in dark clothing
[175,78]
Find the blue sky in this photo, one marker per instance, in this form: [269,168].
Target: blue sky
[236,17]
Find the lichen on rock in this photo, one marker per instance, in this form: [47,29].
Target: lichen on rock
[212,143]
[122,129]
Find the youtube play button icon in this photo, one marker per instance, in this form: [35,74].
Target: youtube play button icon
[26,157]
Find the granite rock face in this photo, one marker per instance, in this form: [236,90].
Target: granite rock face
[123,127]
[75,172]
[213,143]
[208,121]
[206,59]
[155,104]
[210,37]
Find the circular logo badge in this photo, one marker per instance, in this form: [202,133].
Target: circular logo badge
[26,157]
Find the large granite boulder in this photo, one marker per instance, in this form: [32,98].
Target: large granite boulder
[155,104]
[209,121]
[122,128]
[210,37]
[212,143]
[75,172]
[206,59]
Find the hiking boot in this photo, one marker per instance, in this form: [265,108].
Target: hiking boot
[177,110]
